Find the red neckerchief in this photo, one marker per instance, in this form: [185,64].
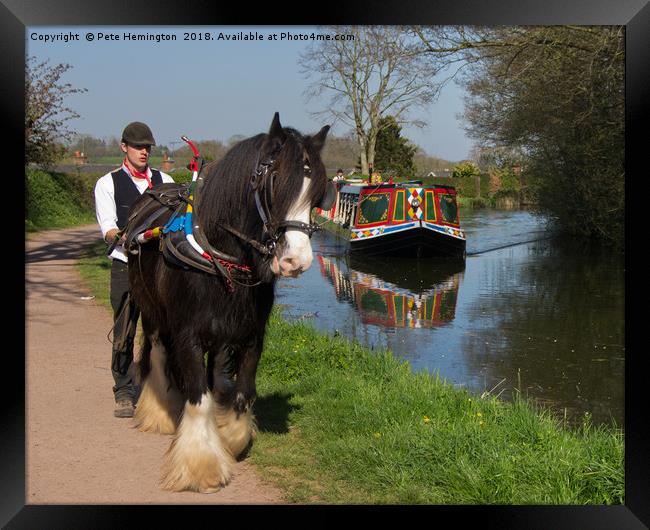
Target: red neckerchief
[138,174]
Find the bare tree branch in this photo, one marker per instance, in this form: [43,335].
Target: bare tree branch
[379,72]
[46,116]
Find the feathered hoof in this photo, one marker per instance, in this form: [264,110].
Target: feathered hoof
[157,410]
[160,404]
[199,469]
[236,433]
[197,459]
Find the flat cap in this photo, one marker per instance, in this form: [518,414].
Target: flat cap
[138,133]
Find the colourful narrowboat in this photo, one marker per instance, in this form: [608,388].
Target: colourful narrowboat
[404,219]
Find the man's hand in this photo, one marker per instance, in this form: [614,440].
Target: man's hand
[110,235]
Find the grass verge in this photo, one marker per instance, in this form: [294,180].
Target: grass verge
[341,424]
[58,200]
[95,269]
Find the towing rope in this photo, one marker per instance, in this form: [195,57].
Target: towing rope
[509,245]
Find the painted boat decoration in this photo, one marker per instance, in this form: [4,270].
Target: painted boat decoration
[404,219]
[383,303]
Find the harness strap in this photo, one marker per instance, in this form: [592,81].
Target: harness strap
[309,229]
[262,179]
[144,225]
[176,249]
[262,212]
[202,240]
[267,249]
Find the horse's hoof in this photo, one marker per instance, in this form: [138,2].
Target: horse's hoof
[209,490]
[204,475]
[236,430]
[197,459]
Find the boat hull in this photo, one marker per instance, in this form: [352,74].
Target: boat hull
[418,241]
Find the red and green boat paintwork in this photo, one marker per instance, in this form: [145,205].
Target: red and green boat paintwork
[407,220]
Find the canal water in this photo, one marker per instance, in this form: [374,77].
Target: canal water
[525,313]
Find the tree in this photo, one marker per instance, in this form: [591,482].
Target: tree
[465,169]
[373,75]
[340,152]
[394,154]
[45,114]
[210,150]
[425,163]
[234,139]
[89,145]
[557,95]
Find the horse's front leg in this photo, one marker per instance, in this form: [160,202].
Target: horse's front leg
[234,411]
[160,404]
[197,459]
[245,390]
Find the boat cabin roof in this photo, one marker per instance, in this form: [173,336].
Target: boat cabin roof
[357,188]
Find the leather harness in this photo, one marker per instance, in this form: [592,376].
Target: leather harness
[174,198]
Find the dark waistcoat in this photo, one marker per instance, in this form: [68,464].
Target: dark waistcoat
[126,193]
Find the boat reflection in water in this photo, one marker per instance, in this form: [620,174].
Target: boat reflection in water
[397,293]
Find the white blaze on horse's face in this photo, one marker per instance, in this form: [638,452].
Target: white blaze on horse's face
[296,254]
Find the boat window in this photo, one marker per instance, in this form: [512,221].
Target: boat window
[398,210]
[373,208]
[448,208]
[429,206]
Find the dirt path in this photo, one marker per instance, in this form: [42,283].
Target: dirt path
[76,450]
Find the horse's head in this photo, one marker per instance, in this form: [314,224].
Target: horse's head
[265,188]
[294,183]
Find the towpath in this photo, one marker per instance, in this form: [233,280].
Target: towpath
[77,452]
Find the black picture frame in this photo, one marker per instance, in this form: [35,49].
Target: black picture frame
[15,15]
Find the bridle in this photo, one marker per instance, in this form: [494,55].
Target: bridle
[187,243]
[261,183]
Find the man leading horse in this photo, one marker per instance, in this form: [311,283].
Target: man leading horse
[115,193]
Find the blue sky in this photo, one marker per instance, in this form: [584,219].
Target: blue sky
[208,89]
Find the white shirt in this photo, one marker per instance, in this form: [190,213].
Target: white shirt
[105,210]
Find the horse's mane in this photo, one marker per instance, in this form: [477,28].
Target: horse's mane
[227,196]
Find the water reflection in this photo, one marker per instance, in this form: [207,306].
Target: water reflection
[399,293]
[549,317]
[545,316]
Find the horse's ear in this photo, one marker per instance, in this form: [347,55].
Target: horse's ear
[318,140]
[276,130]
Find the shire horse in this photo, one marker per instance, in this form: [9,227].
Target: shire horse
[203,333]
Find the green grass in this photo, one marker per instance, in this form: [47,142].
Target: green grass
[331,226]
[341,424]
[476,202]
[95,269]
[361,427]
